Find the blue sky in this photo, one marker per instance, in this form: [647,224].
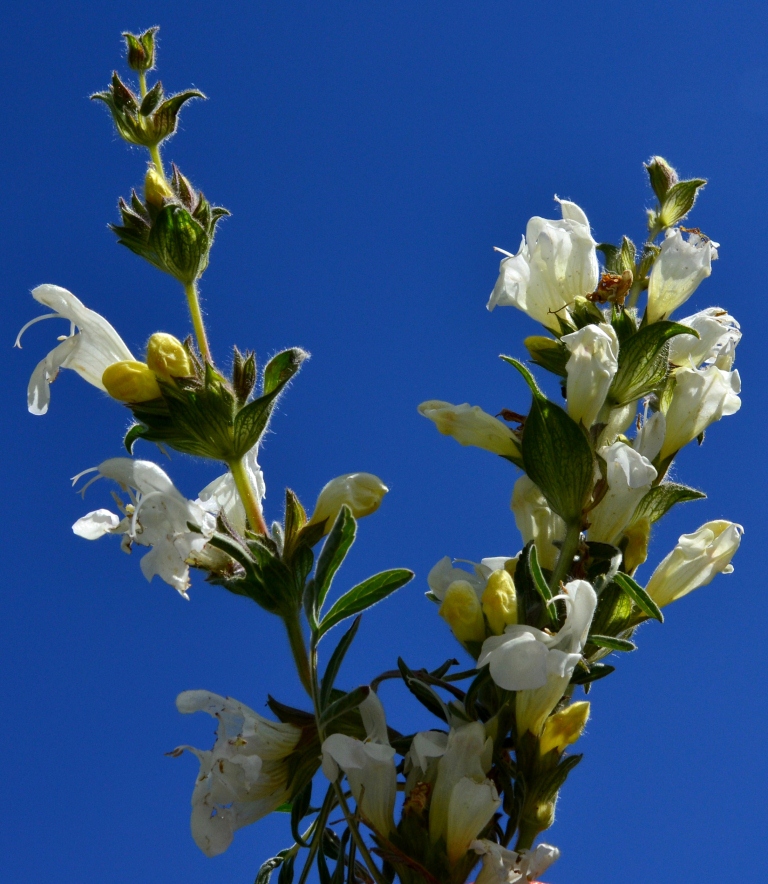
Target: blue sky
[371,155]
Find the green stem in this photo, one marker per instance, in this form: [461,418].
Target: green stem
[565,559]
[299,651]
[527,835]
[248,496]
[193,301]
[318,833]
[356,836]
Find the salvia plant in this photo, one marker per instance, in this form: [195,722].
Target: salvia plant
[366,803]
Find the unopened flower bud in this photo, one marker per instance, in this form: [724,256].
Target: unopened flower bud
[361,492]
[130,381]
[564,727]
[499,601]
[156,188]
[470,425]
[168,357]
[462,612]
[141,50]
[662,176]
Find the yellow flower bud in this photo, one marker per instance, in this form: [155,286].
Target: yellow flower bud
[130,381]
[636,552]
[168,357]
[564,727]
[500,601]
[462,612]
[156,188]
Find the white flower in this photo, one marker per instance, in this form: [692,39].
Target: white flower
[88,351]
[536,664]
[502,866]
[701,397]
[463,799]
[716,345]
[421,761]
[158,516]
[556,263]
[677,271]
[536,521]
[244,777]
[369,766]
[470,425]
[695,561]
[629,477]
[650,434]
[361,492]
[222,494]
[591,367]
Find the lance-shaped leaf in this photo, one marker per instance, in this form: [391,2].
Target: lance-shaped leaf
[264,875]
[557,455]
[428,698]
[252,420]
[540,583]
[643,361]
[333,553]
[363,596]
[337,658]
[659,500]
[639,596]
[595,671]
[299,809]
[612,643]
[344,704]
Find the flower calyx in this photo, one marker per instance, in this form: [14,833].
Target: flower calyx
[172,228]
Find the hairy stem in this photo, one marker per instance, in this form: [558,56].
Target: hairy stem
[248,496]
[193,301]
[299,651]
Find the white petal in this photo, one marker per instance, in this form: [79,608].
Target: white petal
[96,524]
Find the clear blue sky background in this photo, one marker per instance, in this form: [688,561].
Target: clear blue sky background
[371,155]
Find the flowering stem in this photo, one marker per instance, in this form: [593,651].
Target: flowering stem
[299,651]
[190,290]
[248,496]
[350,820]
[565,559]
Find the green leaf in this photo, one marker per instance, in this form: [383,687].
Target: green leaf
[281,368]
[344,704]
[295,517]
[337,658]
[548,353]
[135,432]
[596,671]
[527,376]
[423,693]
[659,500]
[299,809]
[333,553]
[151,99]
[540,583]
[558,458]
[611,254]
[643,361]
[612,643]
[639,596]
[286,870]
[624,324]
[530,605]
[363,596]
[679,201]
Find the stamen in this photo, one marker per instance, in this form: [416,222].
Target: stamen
[32,322]
[503,252]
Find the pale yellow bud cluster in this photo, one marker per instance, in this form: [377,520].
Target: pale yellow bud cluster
[156,188]
[133,381]
[461,610]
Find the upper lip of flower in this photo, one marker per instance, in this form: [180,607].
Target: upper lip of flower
[88,351]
